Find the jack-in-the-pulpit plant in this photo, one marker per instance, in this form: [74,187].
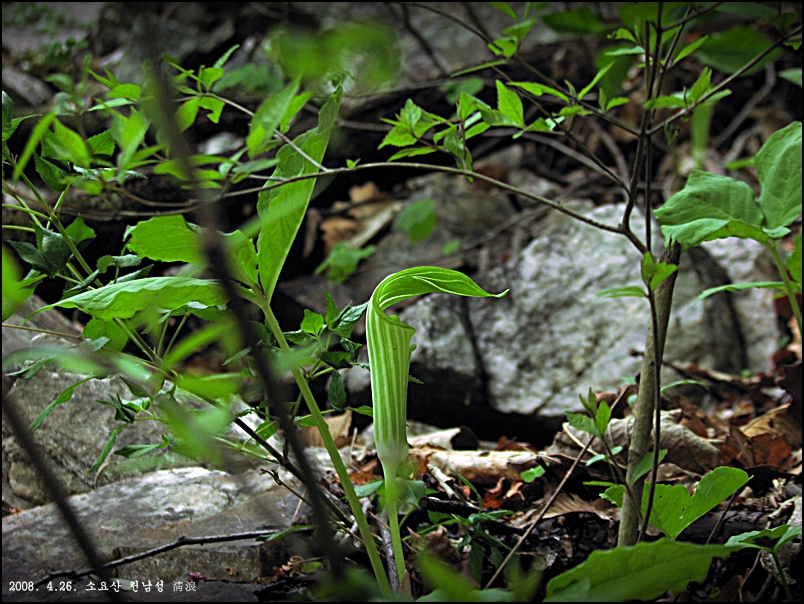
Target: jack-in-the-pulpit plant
[389,351]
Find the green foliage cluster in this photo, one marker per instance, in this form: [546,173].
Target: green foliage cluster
[128,307]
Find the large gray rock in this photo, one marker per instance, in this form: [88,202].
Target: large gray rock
[142,513]
[552,337]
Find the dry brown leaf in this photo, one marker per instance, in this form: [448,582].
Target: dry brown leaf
[684,448]
[338,427]
[481,467]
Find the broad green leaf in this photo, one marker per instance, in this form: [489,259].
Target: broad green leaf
[583,422]
[641,572]
[716,486]
[13,294]
[778,166]
[510,105]
[96,328]
[343,260]
[709,207]
[578,21]
[102,144]
[504,7]
[411,152]
[124,300]
[792,75]
[282,209]
[312,323]
[55,178]
[128,133]
[68,145]
[418,219]
[167,239]
[38,133]
[734,48]
[780,535]
[337,392]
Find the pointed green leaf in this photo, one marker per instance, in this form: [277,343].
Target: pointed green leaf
[282,209]
[124,300]
[778,166]
[641,572]
[709,207]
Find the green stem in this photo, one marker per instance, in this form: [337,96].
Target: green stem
[782,577]
[337,462]
[392,509]
[789,288]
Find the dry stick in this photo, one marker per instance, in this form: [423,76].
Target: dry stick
[214,250]
[550,502]
[56,490]
[180,542]
[770,82]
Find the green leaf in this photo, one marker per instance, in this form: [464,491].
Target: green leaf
[312,323]
[102,144]
[778,166]
[793,262]
[13,294]
[55,178]
[780,534]
[580,21]
[418,219]
[532,474]
[641,572]
[106,450]
[68,145]
[582,422]
[282,209]
[702,85]
[735,47]
[504,7]
[631,291]
[128,133]
[510,105]
[602,417]
[717,485]
[410,152]
[267,117]
[64,396]
[124,300]
[96,329]
[792,75]
[645,464]
[38,133]
[167,239]
[690,48]
[665,101]
[710,207]
[135,451]
[343,260]
[736,287]
[337,392]
[540,89]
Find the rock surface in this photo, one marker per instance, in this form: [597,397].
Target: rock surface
[551,338]
[139,514]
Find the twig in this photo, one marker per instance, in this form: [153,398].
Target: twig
[180,542]
[546,507]
[756,98]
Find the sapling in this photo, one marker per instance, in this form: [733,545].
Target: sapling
[389,356]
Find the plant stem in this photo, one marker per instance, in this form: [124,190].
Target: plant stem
[789,288]
[337,462]
[392,510]
[640,442]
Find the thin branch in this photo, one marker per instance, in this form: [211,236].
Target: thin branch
[180,542]
[550,502]
[756,98]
